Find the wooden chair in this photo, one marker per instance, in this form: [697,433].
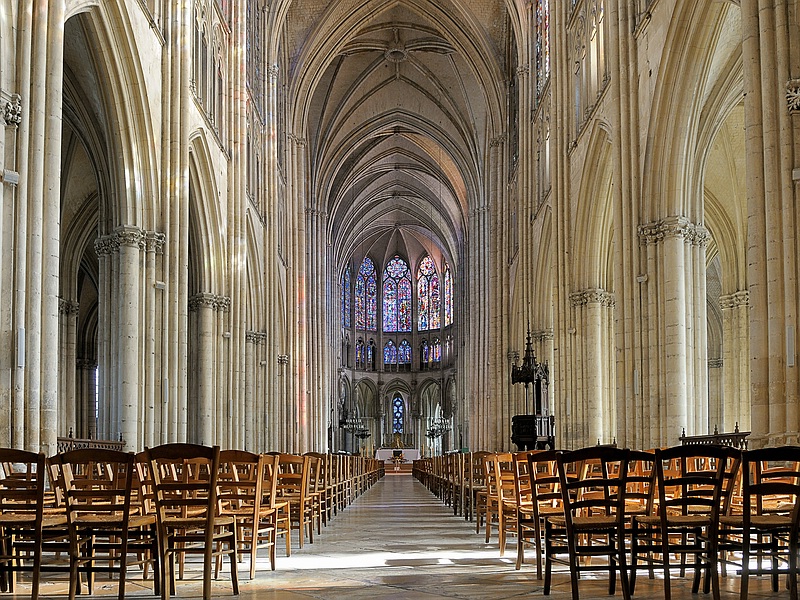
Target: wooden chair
[293,487]
[593,523]
[767,525]
[546,496]
[501,509]
[104,525]
[326,486]
[694,485]
[185,484]
[26,526]
[523,493]
[478,488]
[241,496]
[269,489]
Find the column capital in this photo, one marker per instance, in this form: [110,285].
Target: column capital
[13,110]
[741,298]
[300,142]
[255,337]
[592,296]
[208,300]
[68,307]
[793,96]
[674,227]
[154,241]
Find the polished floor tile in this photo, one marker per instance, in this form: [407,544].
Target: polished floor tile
[398,542]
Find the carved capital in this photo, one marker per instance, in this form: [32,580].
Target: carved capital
[13,110]
[741,298]
[300,142]
[68,307]
[212,301]
[793,96]
[154,241]
[498,141]
[592,296]
[714,363]
[542,336]
[255,337]
[273,71]
[674,227]
[131,237]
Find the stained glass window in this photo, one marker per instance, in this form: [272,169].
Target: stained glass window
[424,351]
[448,296]
[366,296]
[390,353]
[371,355]
[436,351]
[346,298]
[542,44]
[428,298]
[398,413]
[404,353]
[396,296]
[360,362]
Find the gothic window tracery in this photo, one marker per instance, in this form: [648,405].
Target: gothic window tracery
[404,353]
[428,298]
[448,296]
[345,297]
[390,354]
[588,54]
[542,22]
[398,414]
[366,296]
[396,296]
[209,64]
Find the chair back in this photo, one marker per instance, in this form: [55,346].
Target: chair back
[640,482]
[695,480]
[293,475]
[240,481]
[545,486]
[771,485]
[185,484]
[96,485]
[592,482]
[22,486]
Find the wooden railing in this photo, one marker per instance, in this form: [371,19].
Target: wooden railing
[69,443]
[735,439]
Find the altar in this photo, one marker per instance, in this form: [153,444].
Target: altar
[386,454]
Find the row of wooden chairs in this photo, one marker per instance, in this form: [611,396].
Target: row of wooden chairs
[102,507]
[709,506]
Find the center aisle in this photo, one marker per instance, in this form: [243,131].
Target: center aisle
[395,541]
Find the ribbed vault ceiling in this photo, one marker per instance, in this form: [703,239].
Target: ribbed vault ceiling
[397,125]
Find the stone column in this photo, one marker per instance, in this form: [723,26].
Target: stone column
[86,421]
[595,368]
[128,362]
[68,312]
[677,397]
[202,421]
[735,364]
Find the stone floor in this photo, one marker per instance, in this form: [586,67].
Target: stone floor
[396,542]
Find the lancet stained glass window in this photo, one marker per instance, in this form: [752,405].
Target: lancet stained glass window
[390,353]
[398,414]
[448,296]
[404,353]
[367,296]
[428,297]
[396,296]
[542,44]
[436,351]
[346,298]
